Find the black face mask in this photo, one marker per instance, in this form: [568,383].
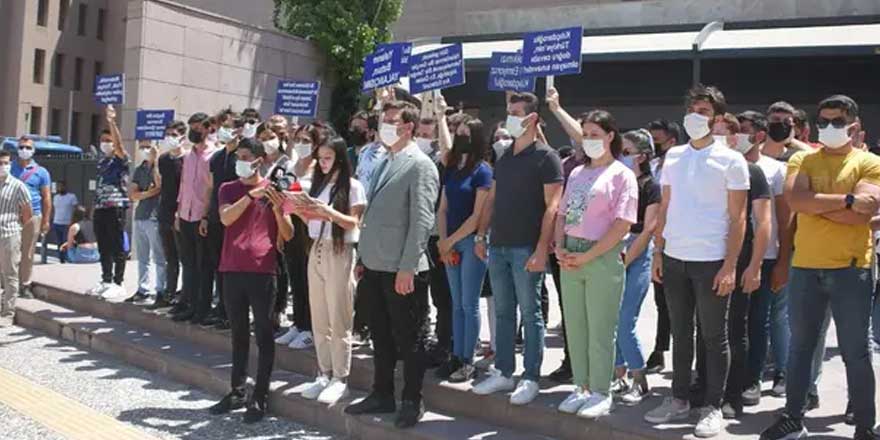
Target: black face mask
[462,144]
[358,137]
[779,131]
[196,137]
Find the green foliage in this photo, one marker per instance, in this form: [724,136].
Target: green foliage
[346,31]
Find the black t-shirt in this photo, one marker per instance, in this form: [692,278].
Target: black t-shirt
[169,169]
[649,194]
[519,194]
[758,189]
[222,166]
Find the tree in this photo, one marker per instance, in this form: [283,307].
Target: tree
[346,31]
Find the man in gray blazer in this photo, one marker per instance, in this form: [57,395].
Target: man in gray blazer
[394,237]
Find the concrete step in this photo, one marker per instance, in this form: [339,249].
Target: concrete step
[540,418]
[208,369]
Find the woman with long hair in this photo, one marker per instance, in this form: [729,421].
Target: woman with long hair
[81,245]
[335,204]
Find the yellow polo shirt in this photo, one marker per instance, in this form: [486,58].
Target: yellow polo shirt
[820,243]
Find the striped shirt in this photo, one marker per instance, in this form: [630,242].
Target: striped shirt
[13,193]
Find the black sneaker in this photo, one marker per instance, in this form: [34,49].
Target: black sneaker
[562,374]
[812,402]
[410,414]
[446,370]
[778,389]
[619,386]
[223,325]
[786,428]
[849,417]
[465,373]
[230,402]
[866,434]
[138,297]
[656,363]
[210,321]
[437,357]
[160,303]
[184,315]
[26,292]
[256,410]
[373,404]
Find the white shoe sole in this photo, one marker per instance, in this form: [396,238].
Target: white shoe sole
[333,401]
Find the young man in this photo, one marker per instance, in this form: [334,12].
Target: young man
[144,189]
[699,236]
[170,164]
[834,192]
[38,182]
[393,247]
[251,211]
[194,200]
[781,143]
[362,129]
[15,211]
[521,208]
[63,204]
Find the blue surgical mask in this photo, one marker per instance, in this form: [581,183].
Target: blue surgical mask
[629,161]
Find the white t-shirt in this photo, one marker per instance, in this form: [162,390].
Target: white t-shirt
[357,196]
[697,220]
[63,206]
[775,172]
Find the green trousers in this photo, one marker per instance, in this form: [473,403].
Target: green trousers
[591,299]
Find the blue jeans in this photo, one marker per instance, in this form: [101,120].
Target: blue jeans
[768,321]
[149,247]
[60,233]
[637,281]
[819,353]
[849,293]
[875,319]
[512,285]
[466,284]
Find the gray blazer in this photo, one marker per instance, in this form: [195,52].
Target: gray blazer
[400,213]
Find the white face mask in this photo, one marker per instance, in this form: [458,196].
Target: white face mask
[514,125]
[249,131]
[244,169]
[425,144]
[501,145]
[225,134]
[743,144]
[25,153]
[593,148]
[107,147]
[212,138]
[143,154]
[388,134]
[5,170]
[834,138]
[302,150]
[169,143]
[696,125]
[272,146]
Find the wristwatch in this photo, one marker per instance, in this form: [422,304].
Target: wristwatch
[850,199]
[480,239]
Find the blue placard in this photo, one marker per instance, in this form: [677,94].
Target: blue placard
[297,98]
[556,52]
[151,124]
[109,89]
[505,73]
[405,52]
[436,69]
[382,68]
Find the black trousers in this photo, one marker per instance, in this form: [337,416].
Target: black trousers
[246,292]
[197,291]
[441,297]
[172,260]
[661,341]
[555,270]
[397,323]
[109,228]
[688,289]
[213,250]
[296,258]
[361,325]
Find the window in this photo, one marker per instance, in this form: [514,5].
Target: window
[102,17]
[78,73]
[42,12]
[74,128]
[93,129]
[58,73]
[55,122]
[99,68]
[39,65]
[81,19]
[63,9]
[36,120]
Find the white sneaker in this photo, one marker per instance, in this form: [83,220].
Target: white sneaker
[574,401]
[334,392]
[314,389]
[670,410]
[98,289]
[598,405]
[113,291]
[525,392]
[494,384]
[303,340]
[710,424]
[288,337]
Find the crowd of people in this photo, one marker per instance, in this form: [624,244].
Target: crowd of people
[753,237]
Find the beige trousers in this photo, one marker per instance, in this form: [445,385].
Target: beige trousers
[331,300]
[10,258]
[30,233]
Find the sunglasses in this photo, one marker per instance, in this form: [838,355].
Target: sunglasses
[840,122]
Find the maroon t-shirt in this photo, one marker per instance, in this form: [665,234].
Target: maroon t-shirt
[249,243]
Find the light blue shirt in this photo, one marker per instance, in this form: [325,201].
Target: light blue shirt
[368,160]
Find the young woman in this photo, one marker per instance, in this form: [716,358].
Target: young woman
[81,245]
[597,210]
[467,179]
[335,205]
[637,152]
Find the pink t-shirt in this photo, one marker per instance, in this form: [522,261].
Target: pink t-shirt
[595,197]
[194,197]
